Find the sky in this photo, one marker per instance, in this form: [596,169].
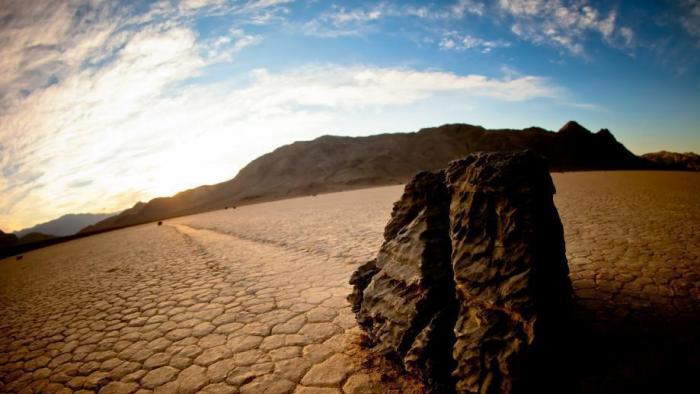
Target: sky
[106,103]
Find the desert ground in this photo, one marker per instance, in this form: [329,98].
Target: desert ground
[253,299]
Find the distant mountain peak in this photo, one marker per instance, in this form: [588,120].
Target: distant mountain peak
[573,128]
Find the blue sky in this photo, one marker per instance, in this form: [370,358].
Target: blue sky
[103,104]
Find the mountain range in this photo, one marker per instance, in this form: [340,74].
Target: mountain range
[687,161]
[332,163]
[65,225]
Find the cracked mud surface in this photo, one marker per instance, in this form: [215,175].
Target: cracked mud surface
[253,299]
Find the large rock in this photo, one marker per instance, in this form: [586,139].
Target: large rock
[510,268]
[404,303]
[472,278]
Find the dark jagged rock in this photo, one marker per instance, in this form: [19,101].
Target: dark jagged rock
[472,277]
[424,189]
[511,273]
[398,307]
[359,280]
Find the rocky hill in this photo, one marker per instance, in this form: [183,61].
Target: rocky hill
[688,161]
[331,163]
[33,238]
[7,241]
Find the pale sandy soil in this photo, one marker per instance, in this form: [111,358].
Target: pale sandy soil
[253,299]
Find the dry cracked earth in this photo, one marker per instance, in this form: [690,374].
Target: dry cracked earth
[252,300]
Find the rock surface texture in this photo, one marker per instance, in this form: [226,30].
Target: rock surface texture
[412,276]
[472,278]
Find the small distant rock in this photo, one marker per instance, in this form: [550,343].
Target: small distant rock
[160,223]
[20,257]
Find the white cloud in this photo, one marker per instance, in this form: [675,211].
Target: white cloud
[463,7]
[455,41]
[40,43]
[345,21]
[79,80]
[454,11]
[223,48]
[561,23]
[360,87]
[627,35]
[253,9]
[344,16]
[341,21]
[197,4]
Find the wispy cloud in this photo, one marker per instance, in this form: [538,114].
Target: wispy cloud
[360,20]
[40,44]
[564,24]
[224,48]
[352,87]
[627,35]
[341,21]
[463,7]
[690,19]
[454,40]
[561,23]
[254,11]
[454,11]
[79,81]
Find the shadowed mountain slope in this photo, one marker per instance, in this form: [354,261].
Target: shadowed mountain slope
[7,241]
[331,163]
[33,238]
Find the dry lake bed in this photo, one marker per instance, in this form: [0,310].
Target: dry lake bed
[253,299]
